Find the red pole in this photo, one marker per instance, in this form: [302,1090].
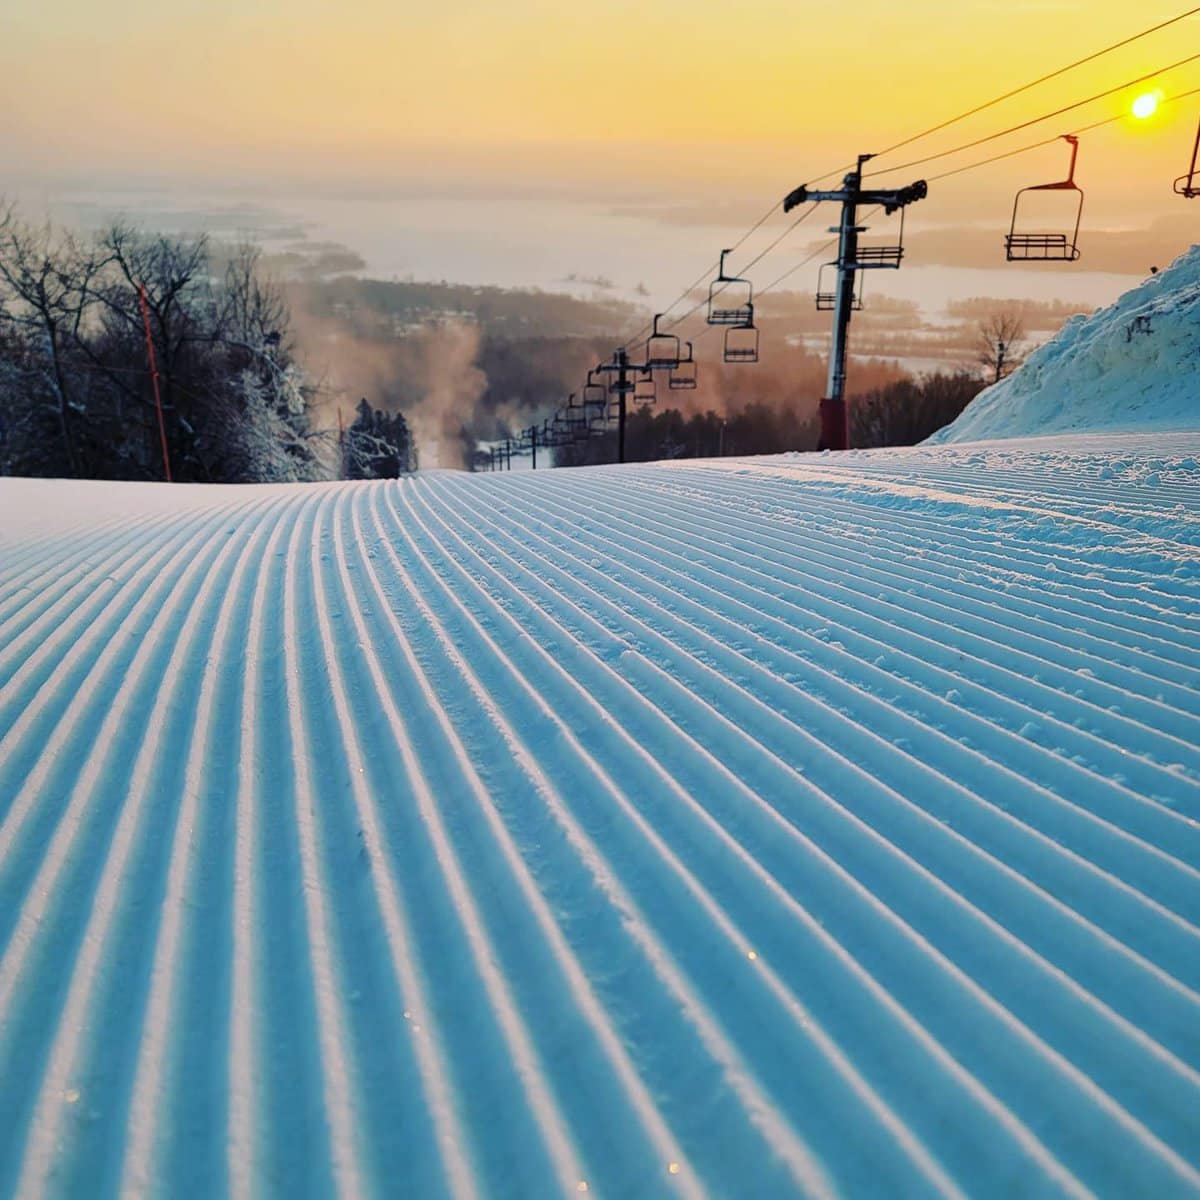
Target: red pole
[162,428]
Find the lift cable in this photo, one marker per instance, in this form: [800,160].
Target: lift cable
[1043,79]
[944,175]
[1057,138]
[633,340]
[636,338]
[991,137]
[1025,87]
[675,324]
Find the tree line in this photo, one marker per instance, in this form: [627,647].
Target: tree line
[90,324]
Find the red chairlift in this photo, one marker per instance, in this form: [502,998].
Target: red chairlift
[736,298]
[827,300]
[741,343]
[1047,247]
[662,349]
[1187,185]
[683,375]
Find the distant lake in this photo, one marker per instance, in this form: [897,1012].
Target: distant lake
[537,242]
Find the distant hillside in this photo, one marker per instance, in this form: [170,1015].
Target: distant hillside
[374,306]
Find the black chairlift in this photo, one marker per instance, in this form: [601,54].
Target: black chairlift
[595,394]
[553,434]
[662,349]
[827,300]
[644,391]
[1187,185]
[683,374]
[1047,247]
[741,343]
[730,299]
[575,415]
[887,257]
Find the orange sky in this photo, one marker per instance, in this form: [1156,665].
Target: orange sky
[755,94]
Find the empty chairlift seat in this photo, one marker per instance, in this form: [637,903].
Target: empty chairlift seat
[741,343]
[730,298]
[595,394]
[827,289]
[644,391]
[1023,246]
[662,349]
[683,374]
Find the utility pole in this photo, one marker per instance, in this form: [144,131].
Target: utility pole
[533,445]
[835,425]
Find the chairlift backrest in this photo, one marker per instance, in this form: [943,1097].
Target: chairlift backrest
[730,299]
[1047,247]
[644,391]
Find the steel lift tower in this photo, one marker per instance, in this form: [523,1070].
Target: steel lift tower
[852,258]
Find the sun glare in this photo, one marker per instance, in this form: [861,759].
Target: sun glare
[1146,105]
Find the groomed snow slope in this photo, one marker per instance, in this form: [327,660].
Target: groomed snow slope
[1131,366]
[758,828]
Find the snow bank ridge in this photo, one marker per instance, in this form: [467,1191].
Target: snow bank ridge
[1131,366]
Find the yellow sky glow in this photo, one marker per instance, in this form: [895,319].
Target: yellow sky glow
[760,90]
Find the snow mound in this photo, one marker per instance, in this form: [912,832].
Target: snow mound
[1131,366]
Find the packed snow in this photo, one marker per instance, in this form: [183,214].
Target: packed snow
[1128,367]
[813,825]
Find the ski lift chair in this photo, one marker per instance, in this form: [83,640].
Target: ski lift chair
[644,391]
[730,299]
[741,343]
[575,415]
[662,349]
[1187,185]
[1047,247]
[827,299]
[595,394]
[683,374]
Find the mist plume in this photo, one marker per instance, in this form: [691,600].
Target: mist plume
[427,373]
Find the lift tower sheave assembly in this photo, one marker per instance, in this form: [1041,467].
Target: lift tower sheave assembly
[835,427]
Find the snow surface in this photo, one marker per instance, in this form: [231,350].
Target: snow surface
[1132,366]
[812,825]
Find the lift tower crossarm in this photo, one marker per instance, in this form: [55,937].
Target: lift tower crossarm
[835,427]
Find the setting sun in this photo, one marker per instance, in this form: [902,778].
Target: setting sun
[1146,105]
